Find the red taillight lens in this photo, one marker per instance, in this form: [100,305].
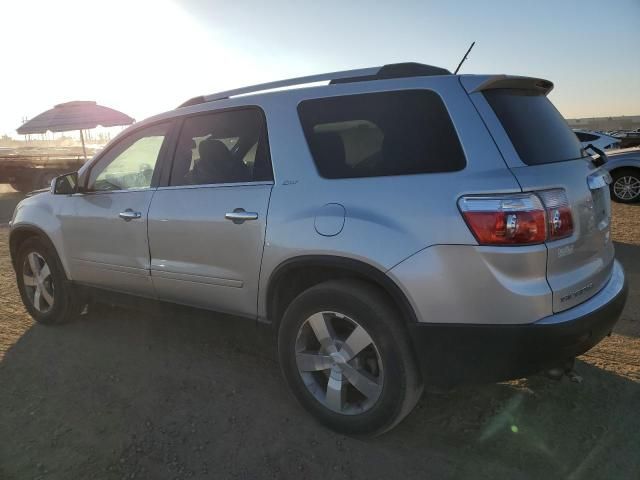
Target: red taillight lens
[506,219]
[518,219]
[501,228]
[559,218]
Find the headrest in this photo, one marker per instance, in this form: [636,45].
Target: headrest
[330,153]
[212,150]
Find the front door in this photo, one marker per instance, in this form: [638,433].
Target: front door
[207,225]
[105,230]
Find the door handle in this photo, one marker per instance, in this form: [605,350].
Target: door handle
[239,215]
[129,215]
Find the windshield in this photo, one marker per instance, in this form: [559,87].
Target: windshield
[537,130]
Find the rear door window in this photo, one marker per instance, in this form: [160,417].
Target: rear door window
[536,129]
[381,134]
[222,147]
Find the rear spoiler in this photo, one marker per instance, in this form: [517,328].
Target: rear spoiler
[479,83]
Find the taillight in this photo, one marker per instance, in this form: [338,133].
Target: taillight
[518,219]
[560,221]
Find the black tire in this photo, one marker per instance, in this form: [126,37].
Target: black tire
[619,175]
[68,304]
[370,308]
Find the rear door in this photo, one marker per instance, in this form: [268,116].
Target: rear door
[543,154]
[207,223]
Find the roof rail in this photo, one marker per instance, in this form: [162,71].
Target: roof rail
[395,70]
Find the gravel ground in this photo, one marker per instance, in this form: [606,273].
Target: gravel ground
[177,393]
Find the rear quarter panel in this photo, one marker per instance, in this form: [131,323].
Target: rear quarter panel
[387,219]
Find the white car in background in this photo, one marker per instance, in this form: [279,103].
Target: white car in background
[624,166]
[597,139]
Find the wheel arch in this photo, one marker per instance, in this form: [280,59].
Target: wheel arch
[297,274]
[20,234]
[625,166]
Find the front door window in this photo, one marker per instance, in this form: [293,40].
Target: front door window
[131,163]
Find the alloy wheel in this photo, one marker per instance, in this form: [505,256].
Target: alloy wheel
[38,282]
[627,187]
[339,363]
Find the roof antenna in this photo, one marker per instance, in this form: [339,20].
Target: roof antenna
[464,58]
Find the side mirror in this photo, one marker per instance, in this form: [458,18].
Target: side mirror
[66,184]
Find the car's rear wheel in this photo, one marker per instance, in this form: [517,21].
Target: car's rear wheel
[46,293]
[625,187]
[346,357]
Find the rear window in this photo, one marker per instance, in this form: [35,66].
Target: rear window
[537,130]
[381,134]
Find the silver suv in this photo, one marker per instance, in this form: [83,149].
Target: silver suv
[399,227]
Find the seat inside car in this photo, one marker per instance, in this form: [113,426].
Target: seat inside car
[216,164]
[329,147]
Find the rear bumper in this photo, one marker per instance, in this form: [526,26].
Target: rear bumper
[451,354]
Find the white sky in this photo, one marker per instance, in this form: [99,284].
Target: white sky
[139,57]
[147,56]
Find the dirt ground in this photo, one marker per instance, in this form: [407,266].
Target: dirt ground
[184,394]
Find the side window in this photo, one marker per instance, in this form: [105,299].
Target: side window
[223,147]
[380,134]
[130,163]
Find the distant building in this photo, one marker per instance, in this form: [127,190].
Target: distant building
[631,122]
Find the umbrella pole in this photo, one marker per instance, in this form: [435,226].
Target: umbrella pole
[84,150]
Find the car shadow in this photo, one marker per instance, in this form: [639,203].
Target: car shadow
[180,393]
[629,323]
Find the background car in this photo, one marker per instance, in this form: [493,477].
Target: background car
[597,139]
[629,138]
[624,166]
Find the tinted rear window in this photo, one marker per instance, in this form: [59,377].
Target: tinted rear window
[537,130]
[381,134]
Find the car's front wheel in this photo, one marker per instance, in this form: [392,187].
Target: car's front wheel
[345,354]
[46,293]
[625,187]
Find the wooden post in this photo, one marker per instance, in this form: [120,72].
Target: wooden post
[84,150]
